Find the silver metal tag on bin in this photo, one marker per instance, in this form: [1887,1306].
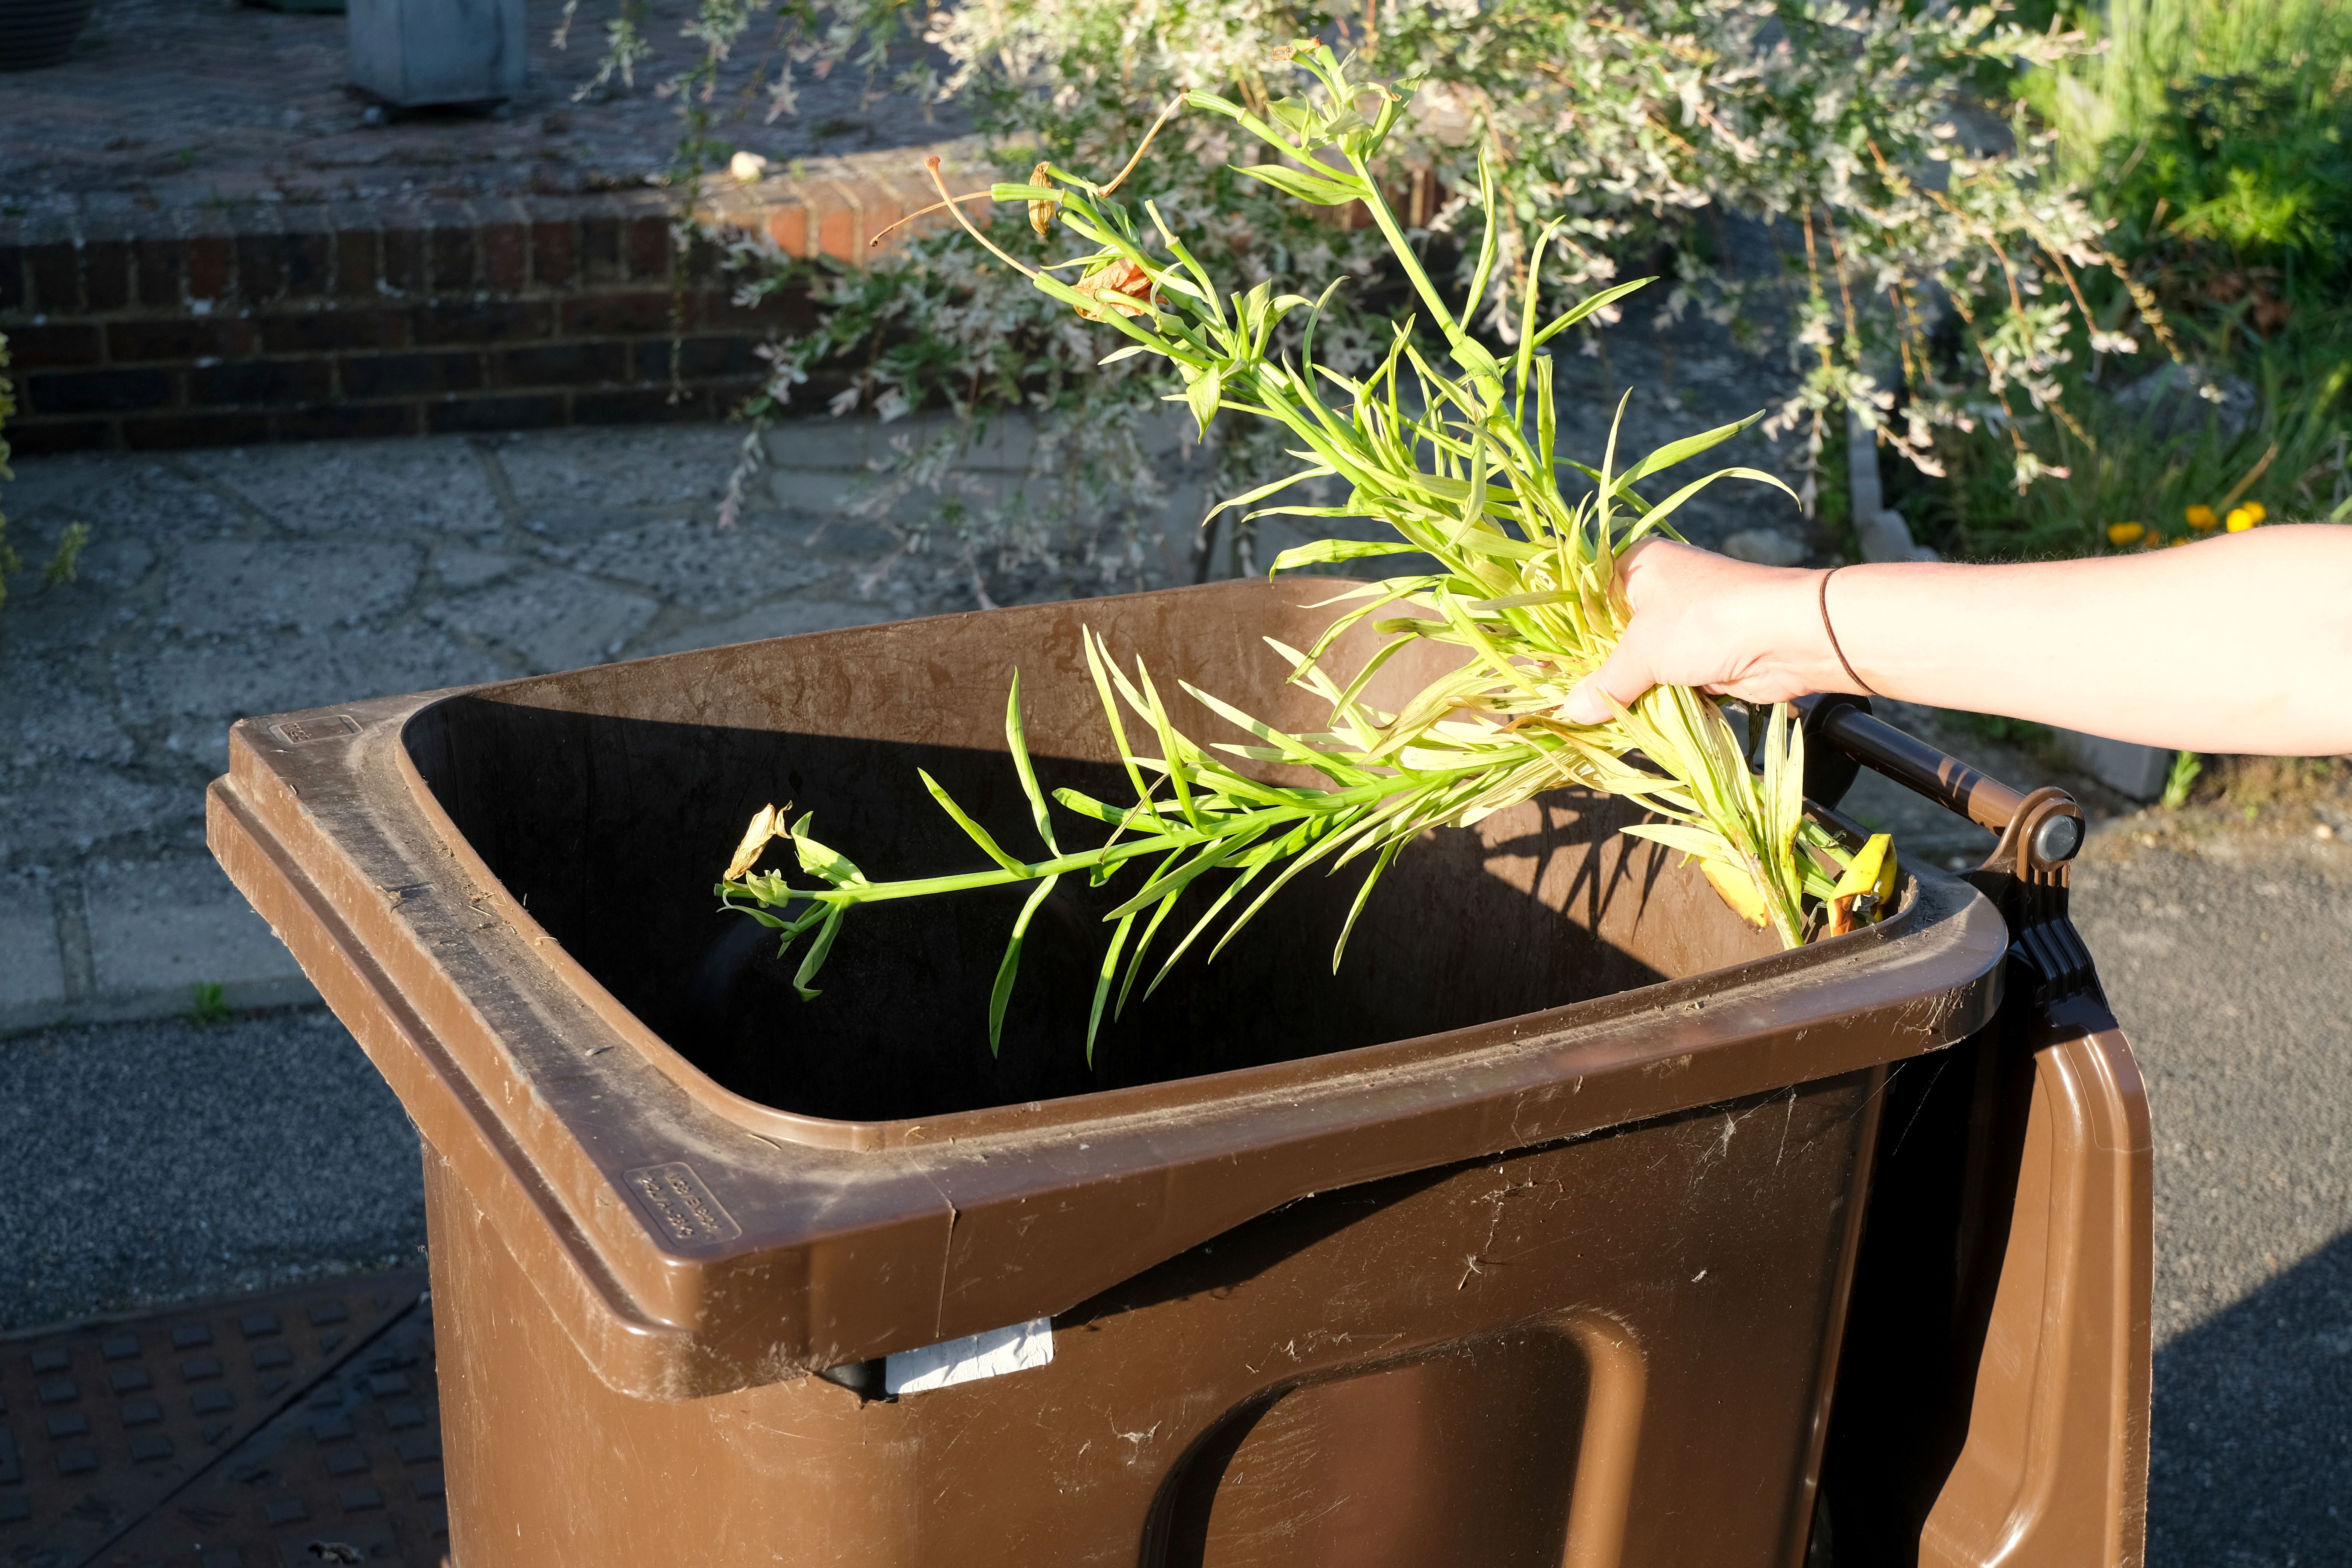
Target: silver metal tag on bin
[968,1359]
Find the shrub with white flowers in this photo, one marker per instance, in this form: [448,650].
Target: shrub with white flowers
[1941,276]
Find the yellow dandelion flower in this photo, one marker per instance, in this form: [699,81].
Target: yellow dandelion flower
[2125,532]
[2242,518]
[2257,510]
[2201,517]
[2176,543]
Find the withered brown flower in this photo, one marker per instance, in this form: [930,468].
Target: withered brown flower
[1041,213]
[1120,286]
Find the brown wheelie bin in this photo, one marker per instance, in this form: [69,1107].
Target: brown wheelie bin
[1571,1223]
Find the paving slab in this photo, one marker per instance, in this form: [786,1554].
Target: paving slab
[354,490]
[683,561]
[550,620]
[589,471]
[185,694]
[223,587]
[32,968]
[785,618]
[161,928]
[222,583]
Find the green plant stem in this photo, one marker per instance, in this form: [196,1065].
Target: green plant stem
[1525,590]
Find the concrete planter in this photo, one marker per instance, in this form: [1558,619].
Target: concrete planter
[2123,767]
[413,53]
[36,32]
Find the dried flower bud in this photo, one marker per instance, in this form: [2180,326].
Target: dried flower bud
[764,826]
[1041,213]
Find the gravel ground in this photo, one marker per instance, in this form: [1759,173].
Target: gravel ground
[2226,958]
[159,1161]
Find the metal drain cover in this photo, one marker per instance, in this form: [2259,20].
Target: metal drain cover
[110,1432]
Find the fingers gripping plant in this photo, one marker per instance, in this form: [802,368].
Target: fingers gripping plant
[1459,460]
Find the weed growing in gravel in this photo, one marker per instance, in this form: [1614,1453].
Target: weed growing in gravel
[66,559]
[208,1005]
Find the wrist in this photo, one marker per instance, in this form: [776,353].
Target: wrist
[1798,655]
[1840,673]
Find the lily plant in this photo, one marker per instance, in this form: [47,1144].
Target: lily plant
[1459,459]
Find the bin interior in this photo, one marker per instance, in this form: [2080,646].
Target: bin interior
[609,800]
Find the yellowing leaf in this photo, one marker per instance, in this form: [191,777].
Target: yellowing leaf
[1861,872]
[1736,888]
[1866,891]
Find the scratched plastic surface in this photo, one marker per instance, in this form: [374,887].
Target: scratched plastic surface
[1531,1242]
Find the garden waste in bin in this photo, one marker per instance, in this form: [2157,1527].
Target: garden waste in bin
[1531,1238]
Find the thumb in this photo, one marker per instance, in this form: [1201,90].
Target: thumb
[1624,675]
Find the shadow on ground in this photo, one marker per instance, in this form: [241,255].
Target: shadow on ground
[2252,1460]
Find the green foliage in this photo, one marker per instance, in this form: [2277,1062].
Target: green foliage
[2180,779]
[1461,463]
[1632,128]
[208,1005]
[2003,730]
[1834,490]
[2213,125]
[2213,137]
[2123,466]
[64,561]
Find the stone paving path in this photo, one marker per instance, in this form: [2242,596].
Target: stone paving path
[228,583]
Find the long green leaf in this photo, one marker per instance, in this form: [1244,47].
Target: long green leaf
[1001,993]
[1326,552]
[814,960]
[1103,978]
[978,834]
[1313,189]
[1017,743]
[1689,447]
[1585,307]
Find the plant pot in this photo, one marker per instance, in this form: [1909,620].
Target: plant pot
[415,53]
[36,32]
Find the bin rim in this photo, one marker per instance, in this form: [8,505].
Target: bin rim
[780,1255]
[1189,1094]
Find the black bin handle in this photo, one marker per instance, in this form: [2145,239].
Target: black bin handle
[2040,830]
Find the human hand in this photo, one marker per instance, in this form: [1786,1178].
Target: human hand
[1706,620]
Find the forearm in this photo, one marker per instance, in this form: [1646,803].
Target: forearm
[2238,644]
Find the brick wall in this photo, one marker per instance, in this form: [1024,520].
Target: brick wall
[229,326]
